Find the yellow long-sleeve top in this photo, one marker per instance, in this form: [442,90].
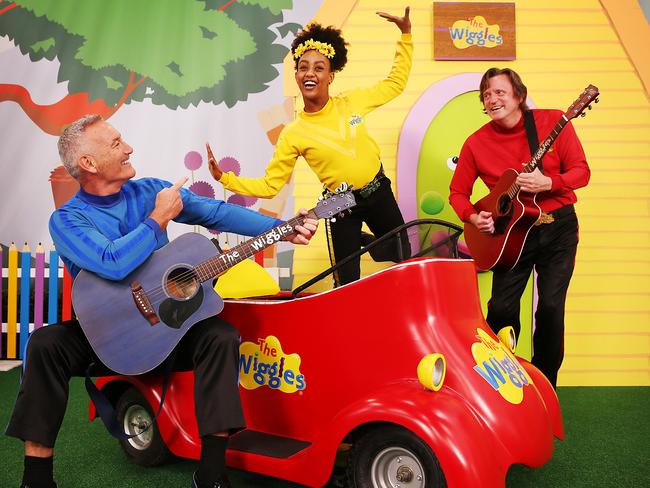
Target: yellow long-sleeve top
[334,141]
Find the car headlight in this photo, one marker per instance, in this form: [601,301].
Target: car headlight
[431,371]
[507,336]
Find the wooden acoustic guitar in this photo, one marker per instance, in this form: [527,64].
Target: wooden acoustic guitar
[514,211]
[134,324]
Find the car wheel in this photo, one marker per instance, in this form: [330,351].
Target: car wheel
[134,414]
[391,456]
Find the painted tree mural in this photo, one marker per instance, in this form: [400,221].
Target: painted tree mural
[175,52]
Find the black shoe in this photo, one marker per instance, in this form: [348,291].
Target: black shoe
[222,482]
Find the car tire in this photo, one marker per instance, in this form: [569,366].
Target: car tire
[393,456]
[133,414]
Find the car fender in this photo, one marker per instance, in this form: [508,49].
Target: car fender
[467,451]
[549,396]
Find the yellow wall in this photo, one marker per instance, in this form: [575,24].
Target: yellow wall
[562,46]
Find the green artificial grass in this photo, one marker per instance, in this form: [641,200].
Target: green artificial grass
[607,445]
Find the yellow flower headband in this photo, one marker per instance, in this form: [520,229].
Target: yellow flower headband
[322,47]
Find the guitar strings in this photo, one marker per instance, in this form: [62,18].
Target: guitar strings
[158,293]
[189,276]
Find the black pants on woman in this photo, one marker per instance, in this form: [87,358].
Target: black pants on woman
[380,213]
[551,250]
[60,351]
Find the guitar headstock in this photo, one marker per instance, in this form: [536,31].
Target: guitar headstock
[334,205]
[590,94]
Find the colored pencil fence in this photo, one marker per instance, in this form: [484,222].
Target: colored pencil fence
[27,290]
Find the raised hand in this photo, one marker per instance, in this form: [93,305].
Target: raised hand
[168,203]
[214,168]
[403,23]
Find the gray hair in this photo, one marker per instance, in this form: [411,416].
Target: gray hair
[69,143]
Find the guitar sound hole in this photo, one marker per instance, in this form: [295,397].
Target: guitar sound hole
[181,284]
[504,205]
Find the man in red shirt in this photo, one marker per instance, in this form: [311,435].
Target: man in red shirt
[550,248]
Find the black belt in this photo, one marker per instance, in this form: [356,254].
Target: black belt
[371,187]
[563,212]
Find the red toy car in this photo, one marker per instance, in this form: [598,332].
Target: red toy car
[398,370]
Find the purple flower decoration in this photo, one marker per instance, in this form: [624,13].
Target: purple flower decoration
[202,188]
[250,201]
[215,232]
[193,160]
[237,200]
[229,164]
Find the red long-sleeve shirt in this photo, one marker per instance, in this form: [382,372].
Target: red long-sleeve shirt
[492,149]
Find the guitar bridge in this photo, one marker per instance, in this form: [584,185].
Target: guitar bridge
[142,302]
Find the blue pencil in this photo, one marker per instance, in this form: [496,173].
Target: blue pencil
[53,288]
[25,289]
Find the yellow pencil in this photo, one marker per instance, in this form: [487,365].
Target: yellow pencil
[12,301]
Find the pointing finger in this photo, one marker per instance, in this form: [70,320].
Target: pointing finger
[178,185]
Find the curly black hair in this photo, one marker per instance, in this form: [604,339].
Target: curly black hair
[329,35]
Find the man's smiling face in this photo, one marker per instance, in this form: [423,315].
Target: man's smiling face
[109,153]
[500,101]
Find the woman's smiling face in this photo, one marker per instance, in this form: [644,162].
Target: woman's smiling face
[313,76]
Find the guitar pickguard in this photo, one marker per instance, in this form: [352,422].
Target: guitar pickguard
[174,313]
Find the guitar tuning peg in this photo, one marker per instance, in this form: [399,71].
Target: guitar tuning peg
[583,114]
[590,107]
[596,100]
[333,219]
[320,198]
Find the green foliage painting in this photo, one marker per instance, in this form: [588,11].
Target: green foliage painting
[175,52]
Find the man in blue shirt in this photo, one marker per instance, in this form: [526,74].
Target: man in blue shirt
[110,227]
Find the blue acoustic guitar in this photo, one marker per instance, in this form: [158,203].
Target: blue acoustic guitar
[134,324]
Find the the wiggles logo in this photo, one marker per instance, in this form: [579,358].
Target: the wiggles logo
[475,32]
[264,363]
[499,367]
[355,119]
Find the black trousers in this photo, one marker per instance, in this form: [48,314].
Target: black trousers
[551,250]
[60,351]
[379,211]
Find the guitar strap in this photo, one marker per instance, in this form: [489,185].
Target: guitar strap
[105,408]
[531,133]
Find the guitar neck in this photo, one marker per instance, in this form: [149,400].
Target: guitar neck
[546,145]
[218,265]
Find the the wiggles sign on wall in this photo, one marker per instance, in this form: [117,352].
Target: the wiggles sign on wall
[474,31]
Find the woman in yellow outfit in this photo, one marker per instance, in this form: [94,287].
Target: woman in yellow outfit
[331,135]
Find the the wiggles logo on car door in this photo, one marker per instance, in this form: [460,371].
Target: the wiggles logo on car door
[499,367]
[264,363]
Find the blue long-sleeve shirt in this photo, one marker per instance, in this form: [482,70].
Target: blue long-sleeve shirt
[112,235]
